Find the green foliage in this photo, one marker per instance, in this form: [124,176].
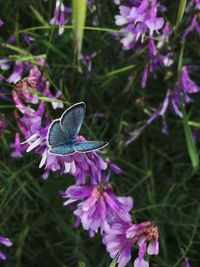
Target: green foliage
[181,11]
[79,9]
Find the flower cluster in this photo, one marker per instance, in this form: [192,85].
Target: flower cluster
[60,16]
[98,206]
[185,263]
[193,17]
[124,235]
[6,242]
[174,99]
[142,28]
[140,21]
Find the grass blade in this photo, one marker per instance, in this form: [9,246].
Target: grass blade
[38,16]
[192,150]
[79,13]
[113,263]
[181,11]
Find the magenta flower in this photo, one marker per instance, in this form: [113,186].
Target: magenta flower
[3,123]
[79,165]
[197,4]
[183,89]
[6,242]
[59,18]
[98,206]
[87,60]
[185,263]
[156,62]
[140,21]
[5,63]
[19,69]
[122,236]
[1,22]
[194,26]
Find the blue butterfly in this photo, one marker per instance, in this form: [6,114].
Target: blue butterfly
[63,132]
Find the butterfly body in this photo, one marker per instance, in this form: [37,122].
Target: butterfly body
[63,132]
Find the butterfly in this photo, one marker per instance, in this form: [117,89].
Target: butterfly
[63,132]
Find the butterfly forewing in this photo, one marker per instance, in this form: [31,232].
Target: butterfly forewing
[56,136]
[88,146]
[72,120]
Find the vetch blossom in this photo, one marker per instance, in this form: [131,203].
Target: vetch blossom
[59,18]
[79,165]
[98,206]
[6,242]
[185,263]
[182,91]
[87,60]
[124,235]
[140,21]
[193,26]
[156,61]
[1,22]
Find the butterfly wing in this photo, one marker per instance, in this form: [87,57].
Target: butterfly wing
[56,136]
[89,146]
[72,119]
[63,150]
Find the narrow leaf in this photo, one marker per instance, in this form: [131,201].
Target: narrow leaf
[79,13]
[38,16]
[181,11]
[114,72]
[113,263]
[192,150]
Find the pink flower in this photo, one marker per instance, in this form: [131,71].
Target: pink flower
[123,235]
[98,206]
[6,242]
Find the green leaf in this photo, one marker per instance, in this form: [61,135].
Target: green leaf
[79,9]
[181,11]
[113,263]
[192,150]
[38,16]
[115,72]
[81,264]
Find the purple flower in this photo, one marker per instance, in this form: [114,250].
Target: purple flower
[183,89]
[3,123]
[156,61]
[5,63]
[117,2]
[139,21]
[1,22]
[197,4]
[79,165]
[87,60]
[29,40]
[19,69]
[185,263]
[6,242]
[59,16]
[98,205]
[123,235]
[194,26]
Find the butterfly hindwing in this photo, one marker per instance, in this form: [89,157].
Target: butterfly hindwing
[62,150]
[56,136]
[88,146]
[72,119]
